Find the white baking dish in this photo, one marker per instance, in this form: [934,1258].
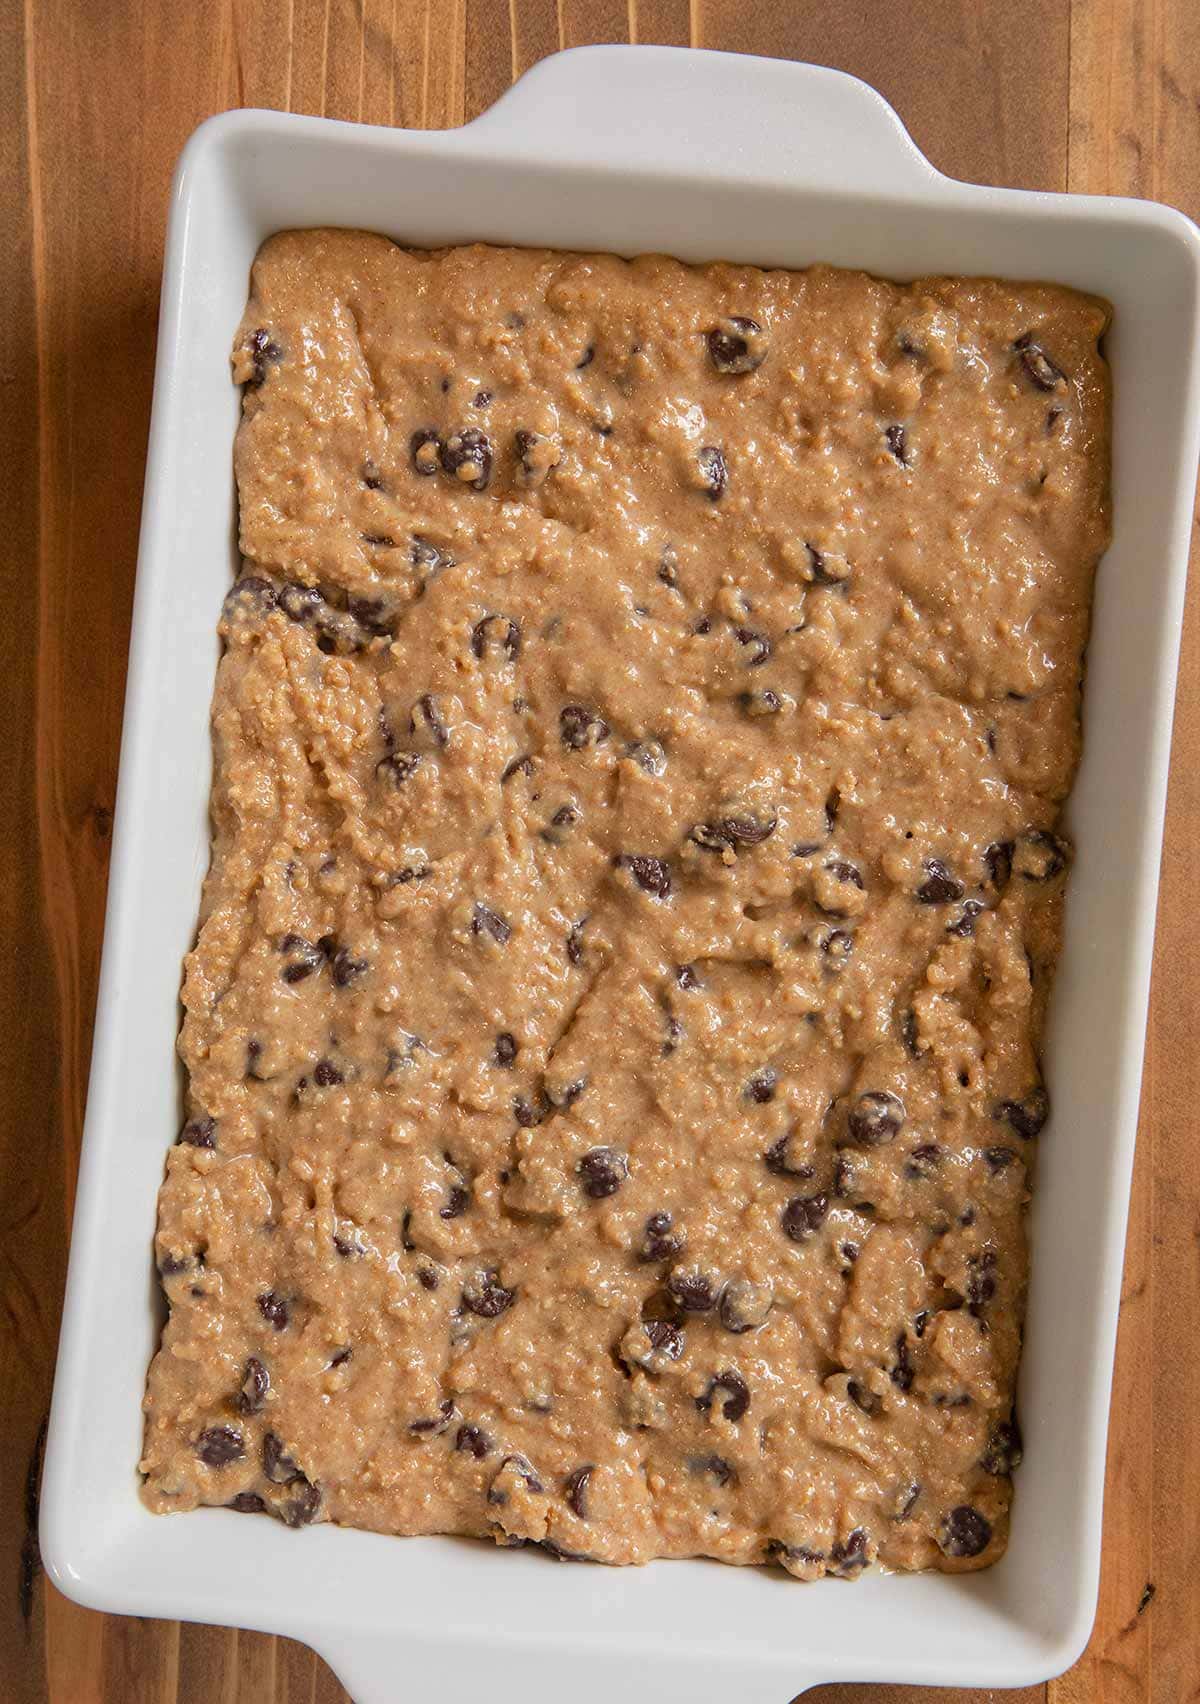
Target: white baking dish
[703,156]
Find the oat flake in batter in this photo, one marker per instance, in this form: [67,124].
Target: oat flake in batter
[645,714]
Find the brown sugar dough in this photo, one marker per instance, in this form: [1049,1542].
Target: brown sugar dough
[612,1035]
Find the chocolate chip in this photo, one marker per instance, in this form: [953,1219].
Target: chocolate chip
[457,1202]
[737,345]
[875,1118]
[778,1551]
[602,1171]
[1039,369]
[472,1440]
[652,875]
[506,1049]
[579,727]
[517,1467]
[714,1467]
[1040,856]
[264,351]
[1005,1449]
[737,1395]
[486,1297]
[247,1503]
[660,1240]
[743,1305]
[574,942]
[566,816]
[300,1509]
[279,1467]
[964,924]
[998,1159]
[731,833]
[837,946]
[274,1308]
[762,702]
[713,471]
[686,977]
[649,756]
[436,1424]
[939,886]
[846,873]
[863,1397]
[250,599]
[397,767]
[904,1371]
[1028,1116]
[692,1291]
[530,1113]
[964,1532]
[217,1446]
[827,567]
[496,634]
[424,448]
[535,468]
[906,1500]
[326,1074]
[803,1215]
[777,1160]
[761,1087]
[346,967]
[896,439]
[171,1265]
[430,558]
[850,1554]
[485,921]
[665,1339]
[556,1550]
[909,1033]
[999,861]
[427,724]
[256,1382]
[303,956]
[300,603]
[586,359]
[466,456]
[758,646]
[427,1278]
[522,765]
[923,1161]
[199,1132]
[371,476]
[575,1487]
[981,1280]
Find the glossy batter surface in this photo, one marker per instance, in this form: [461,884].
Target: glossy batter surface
[612,1035]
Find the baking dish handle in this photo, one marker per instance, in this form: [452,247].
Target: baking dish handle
[393,1671]
[661,109]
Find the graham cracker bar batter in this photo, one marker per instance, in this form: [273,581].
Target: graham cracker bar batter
[612,1036]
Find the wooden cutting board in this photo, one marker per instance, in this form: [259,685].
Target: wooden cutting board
[96,100]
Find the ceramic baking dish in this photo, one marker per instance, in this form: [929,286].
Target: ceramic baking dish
[703,156]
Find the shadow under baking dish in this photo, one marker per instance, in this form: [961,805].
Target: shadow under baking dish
[703,156]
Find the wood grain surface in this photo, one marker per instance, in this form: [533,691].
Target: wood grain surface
[96,100]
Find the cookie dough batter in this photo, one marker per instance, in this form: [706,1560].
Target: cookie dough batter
[612,1036]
